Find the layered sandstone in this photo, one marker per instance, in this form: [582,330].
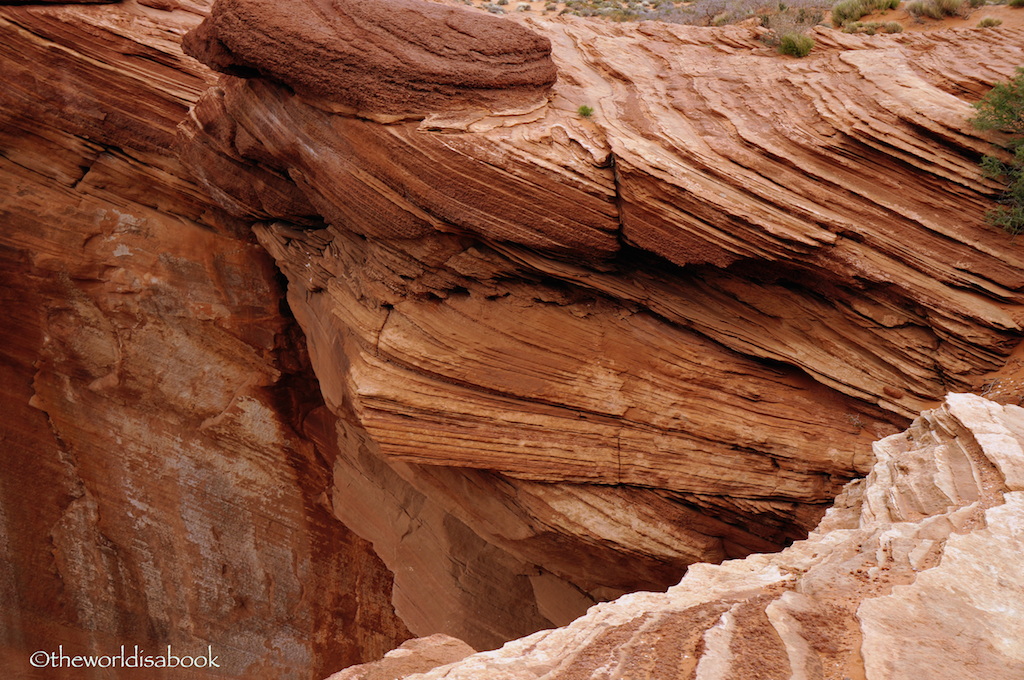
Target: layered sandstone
[913,573]
[555,358]
[662,335]
[153,489]
[388,58]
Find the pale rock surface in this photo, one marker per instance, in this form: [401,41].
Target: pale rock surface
[913,573]
[413,656]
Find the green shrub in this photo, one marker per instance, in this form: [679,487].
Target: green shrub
[872,27]
[796,44]
[585,111]
[1016,3]
[936,9]
[989,22]
[1003,109]
[789,19]
[851,10]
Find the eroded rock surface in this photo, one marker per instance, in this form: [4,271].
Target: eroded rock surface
[414,656]
[687,315]
[913,573]
[153,490]
[386,58]
[559,358]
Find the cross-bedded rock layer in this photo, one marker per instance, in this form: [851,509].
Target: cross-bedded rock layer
[686,315]
[913,573]
[561,357]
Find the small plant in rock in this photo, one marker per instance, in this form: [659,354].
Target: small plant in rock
[585,111]
[796,44]
[1003,109]
[989,22]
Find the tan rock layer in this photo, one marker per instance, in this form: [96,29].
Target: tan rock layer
[913,572]
[719,288]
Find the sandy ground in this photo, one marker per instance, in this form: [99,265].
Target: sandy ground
[1009,16]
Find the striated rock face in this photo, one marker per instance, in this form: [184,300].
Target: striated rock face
[913,573]
[388,58]
[153,490]
[596,351]
[556,358]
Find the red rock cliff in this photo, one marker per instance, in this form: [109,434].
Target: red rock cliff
[153,490]
[556,358]
[686,316]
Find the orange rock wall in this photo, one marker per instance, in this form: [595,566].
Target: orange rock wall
[153,490]
[556,358]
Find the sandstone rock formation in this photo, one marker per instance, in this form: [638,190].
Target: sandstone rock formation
[556,358]
[913,573]
[414,656]
[389,58]
[153,490]
[662,335]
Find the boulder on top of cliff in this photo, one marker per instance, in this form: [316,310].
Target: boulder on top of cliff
[392,58]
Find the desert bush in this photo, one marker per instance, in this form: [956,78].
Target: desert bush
[872,27]
[1003,109]
[796,44]
[989,22]
[1016,3]
[937,9]
[792,20]
[851,10]
[585,111]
